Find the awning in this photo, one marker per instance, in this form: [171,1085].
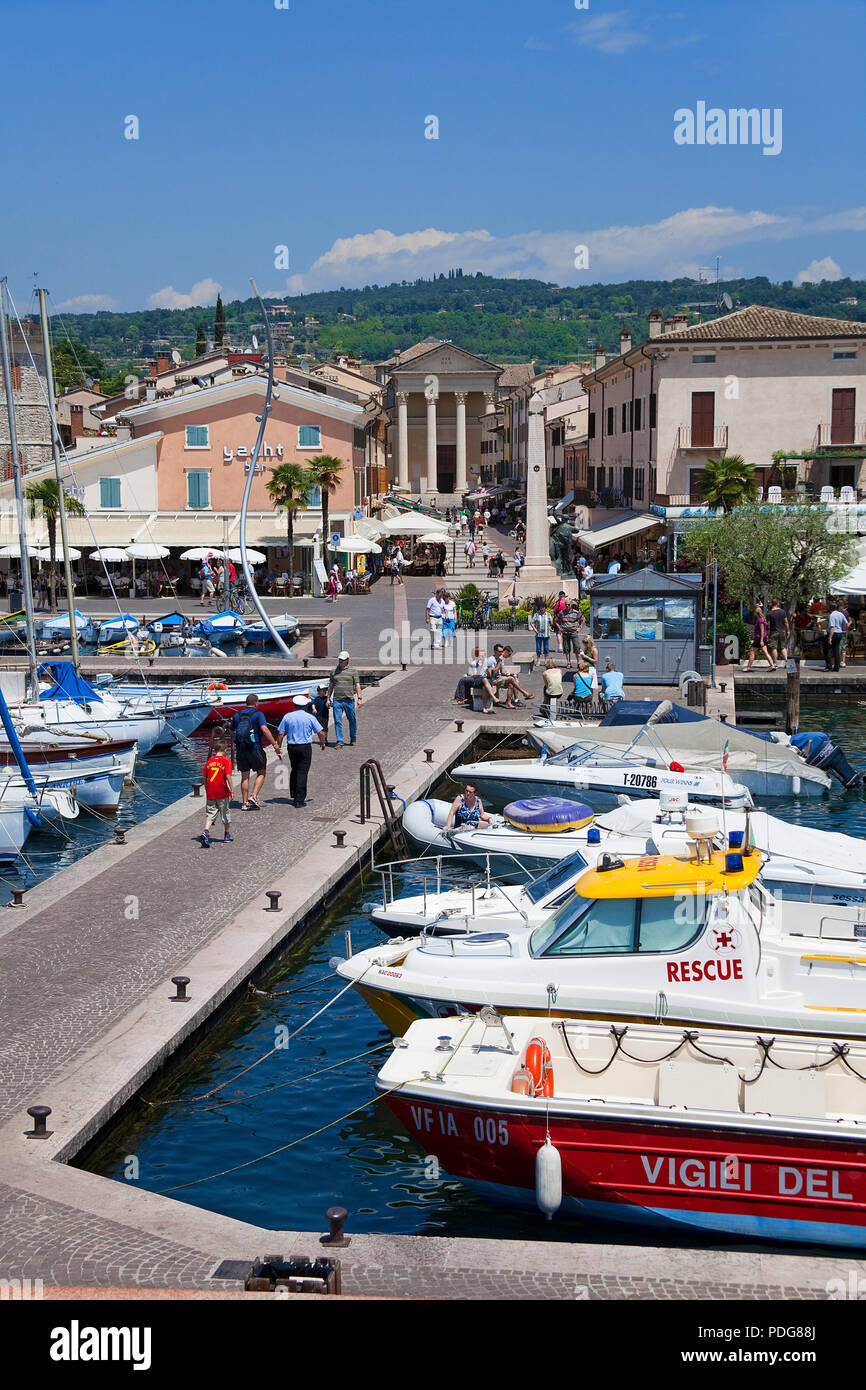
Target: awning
[599,537]
[855,581]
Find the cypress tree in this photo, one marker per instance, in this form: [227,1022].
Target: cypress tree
[200,341]
[219,326]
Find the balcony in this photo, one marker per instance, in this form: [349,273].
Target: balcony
[715,437]
[849,435]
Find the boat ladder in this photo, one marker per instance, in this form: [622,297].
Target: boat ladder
[371,772]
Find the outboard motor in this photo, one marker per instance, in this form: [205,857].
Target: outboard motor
[819,750]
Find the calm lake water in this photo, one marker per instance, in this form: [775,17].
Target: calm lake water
[318,1096]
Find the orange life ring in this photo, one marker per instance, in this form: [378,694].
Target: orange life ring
[539,1066]
[217,685]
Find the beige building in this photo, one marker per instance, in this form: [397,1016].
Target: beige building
[752,382]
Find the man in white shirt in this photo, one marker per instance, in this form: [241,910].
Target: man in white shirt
[587,577]
[435,614]
[469,548]
[837,624]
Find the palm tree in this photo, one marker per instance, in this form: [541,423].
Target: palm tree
[728,482]
[325,471]
[46,496]
[289,486]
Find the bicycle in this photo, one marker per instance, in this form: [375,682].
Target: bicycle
[482,608]
[239,598]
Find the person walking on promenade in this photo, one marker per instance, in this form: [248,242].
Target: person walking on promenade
[297,728]
[396,565]
[207,581]
[541,624]
[217,789]
[344,694]
[469,550]
[251,736]
[759,640]
[435,618]
[571,625]
[779,630]
[449,622]
[837,625]
[559,608]
[518,562]
[320,708]
[552,678]
[499,562]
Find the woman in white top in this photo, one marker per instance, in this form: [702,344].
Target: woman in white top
[449,622]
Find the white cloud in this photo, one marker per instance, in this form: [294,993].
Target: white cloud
[609,33]
[87,303]
[537,45]
[202,292]
[815,271]
[665,249]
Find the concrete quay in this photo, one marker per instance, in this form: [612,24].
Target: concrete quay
[86,1018]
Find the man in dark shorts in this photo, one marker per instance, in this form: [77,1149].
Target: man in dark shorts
[251,736]
[780,631]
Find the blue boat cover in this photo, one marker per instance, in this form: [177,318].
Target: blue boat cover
[68,685]
[169,620]
[221,623]
[639,711]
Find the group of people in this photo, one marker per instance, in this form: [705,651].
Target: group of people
[244,748]
[214,576]
[774,637]
[441,617]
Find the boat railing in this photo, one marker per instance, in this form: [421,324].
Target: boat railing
[401,869]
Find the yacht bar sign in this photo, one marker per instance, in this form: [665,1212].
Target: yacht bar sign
[242,452]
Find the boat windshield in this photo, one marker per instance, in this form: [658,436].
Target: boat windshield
[620,925]
[557,876]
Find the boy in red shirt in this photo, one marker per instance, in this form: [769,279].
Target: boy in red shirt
[218,789]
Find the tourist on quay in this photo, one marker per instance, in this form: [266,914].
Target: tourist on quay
[320,708]
[541,624]
[583,683]
[344,696]
[779,630]
[586,579]
[552,677]
[251,736]
[477,675]
[469,551]
[519,561]
[217,789]
[804,622]
[588,650]
[612,682]
[297,728]
[486,516]
[843,645]
[837,626]
[485,555]
[435,618]
[499,562]
[558,609]
[449,621]
[759,640]
[571,624]
[502,679]
[333,585]
[466,811]
[207,581]
[397,562]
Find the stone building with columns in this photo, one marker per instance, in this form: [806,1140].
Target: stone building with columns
[436,396]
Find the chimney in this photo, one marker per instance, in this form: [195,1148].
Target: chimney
[163,362]
[669,323]
[625,340]
[96,383]
[655,323]
[679,321]
[600,356]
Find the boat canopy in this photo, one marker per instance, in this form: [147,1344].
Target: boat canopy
[639,711]
[670,875]
[172,620]
[68,685]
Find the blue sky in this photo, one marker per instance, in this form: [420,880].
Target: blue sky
[305,127]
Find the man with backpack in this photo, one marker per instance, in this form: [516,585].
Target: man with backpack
[251,736]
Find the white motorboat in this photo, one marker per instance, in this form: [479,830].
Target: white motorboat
[583,773]
[68,703]
[276,698]
[682,938]
[96,769]
[286,625]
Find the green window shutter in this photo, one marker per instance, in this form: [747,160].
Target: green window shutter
[309,437]
[198,488]
[197,437]
[109,492]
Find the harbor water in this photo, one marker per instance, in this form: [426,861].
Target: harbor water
[277,1141]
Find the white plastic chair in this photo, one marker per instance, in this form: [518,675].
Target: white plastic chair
[828,494]
[774,494]
[846,494]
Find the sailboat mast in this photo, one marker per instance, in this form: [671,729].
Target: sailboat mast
[61,503]
[19,499]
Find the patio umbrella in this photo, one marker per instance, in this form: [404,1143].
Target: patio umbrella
[46,554]
[433,538]
[111,554]
[412,524]
[357,545]
[13,552]
[255,557]
[146,550]
[201,552]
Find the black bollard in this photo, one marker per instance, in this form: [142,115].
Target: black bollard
[17,897]
[180,983]
[273,896]
[459,723]
[196,788]
[336,1235]
[429,752]
[340,836]
[39,1115]
[119,836]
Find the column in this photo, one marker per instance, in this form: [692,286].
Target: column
[460,484]
[432,472]
[490,402]
[539,569]
[402,440]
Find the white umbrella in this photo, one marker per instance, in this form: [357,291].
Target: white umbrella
[255,557]
[412,524]
[13,552]
[357,545]
[433,538]
[201,552]
[111,554]
[46,554]
[147,550]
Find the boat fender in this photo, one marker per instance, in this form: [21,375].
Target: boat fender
[521,1082]
[217,685]
[548,1179]
[677,767]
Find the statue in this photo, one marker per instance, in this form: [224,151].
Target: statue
[561,537]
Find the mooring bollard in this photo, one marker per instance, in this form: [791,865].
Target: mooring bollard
[459,723]
[196,788]
[180,983]
[119,836]
[39,1115]
[429,752]
[306,661]
[402,665]
[340,836]
[17,897]
[273,896]
[336,1221]
[723,685]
